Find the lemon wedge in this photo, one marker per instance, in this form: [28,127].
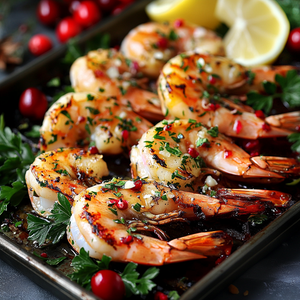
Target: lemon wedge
[258,30]
[199,12]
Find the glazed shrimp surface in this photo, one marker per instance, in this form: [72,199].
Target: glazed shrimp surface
[79,119]
[67,171]
[153,44]
[111,74]
[173,151]
[111,218]
[102,226]
[184,87]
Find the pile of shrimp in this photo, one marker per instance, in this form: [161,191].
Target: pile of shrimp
[181,142]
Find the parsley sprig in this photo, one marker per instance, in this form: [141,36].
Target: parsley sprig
[295,138]
[85,267]
[54,228]
[289,92]
[15,159]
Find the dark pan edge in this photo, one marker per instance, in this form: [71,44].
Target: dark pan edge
[137,9]
[41,273]
[247,255]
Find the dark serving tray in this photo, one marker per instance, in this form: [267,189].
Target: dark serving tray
[53,280]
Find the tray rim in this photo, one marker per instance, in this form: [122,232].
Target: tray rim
[218,278]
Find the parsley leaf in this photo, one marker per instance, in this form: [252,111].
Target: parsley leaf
[85,267]
[258,219]
[260,102]
[52,229]
[295,138]
[15,159]
[290,85]
[134,284]
[290,92]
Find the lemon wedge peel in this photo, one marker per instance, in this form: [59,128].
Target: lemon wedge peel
[199,12]
[258,30]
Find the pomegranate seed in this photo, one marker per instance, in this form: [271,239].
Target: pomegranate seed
[237,126]
[254,153]
[250,145]
[178,23]
[125,134]
[297,128]
[135,65]
[137,185]
[213,107]
[127,240]
[220,259]
[93,150]
[44,255]
[160,296]
[193,152]
[80,119]
[266,127]
[167,127]
[212,79]
[227,153]
[117,47]
[260,114]
[122,204]
[162,43]
[98,73]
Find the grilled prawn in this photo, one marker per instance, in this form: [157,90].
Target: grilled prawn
[67,170]
[190,86]
[153,44]
[82,119]
[111,74]
[173,151]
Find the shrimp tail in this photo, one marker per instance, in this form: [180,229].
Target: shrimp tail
[278,199]
[288,121]
[287,167]
[200,245]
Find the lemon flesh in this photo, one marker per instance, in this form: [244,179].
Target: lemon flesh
[199,12]
[258,30]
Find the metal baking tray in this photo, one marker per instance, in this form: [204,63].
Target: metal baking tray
[54,280]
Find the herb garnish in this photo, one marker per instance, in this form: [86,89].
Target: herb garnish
[289,94]
[86,267]
[54,228]
[15,159]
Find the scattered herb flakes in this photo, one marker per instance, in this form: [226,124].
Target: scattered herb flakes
[51,261]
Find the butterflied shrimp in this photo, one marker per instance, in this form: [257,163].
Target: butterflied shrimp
[81,119]
[185,85]
[111,74]
[153,44]
[173,151]
[67,170]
